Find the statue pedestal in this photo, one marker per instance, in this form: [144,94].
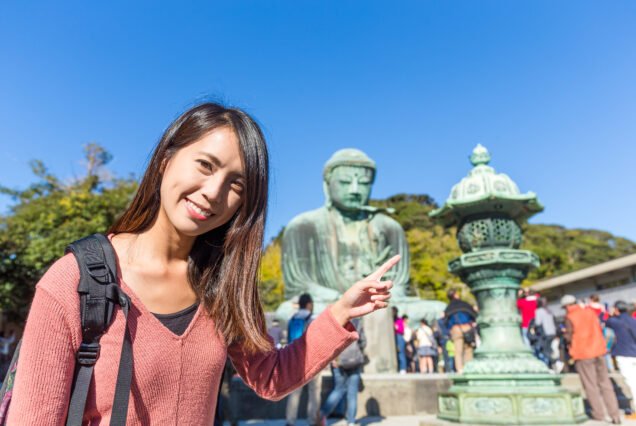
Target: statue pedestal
[512,399]
[380,349]
[505,383]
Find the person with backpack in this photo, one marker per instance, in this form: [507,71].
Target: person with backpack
[460,319]
[296,327]
[346,370]
[182,296]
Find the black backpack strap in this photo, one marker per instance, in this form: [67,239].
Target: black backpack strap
[99,293]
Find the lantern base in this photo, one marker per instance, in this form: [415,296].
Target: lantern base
[515,399]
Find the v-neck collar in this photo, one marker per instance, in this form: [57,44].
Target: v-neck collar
[145,312]
[151,317]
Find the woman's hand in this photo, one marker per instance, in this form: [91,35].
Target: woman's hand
[365,296]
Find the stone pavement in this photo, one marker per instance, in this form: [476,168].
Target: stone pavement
[425,420]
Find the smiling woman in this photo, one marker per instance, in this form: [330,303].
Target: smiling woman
[188,250]
[202,163]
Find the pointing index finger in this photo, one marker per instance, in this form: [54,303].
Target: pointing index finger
[379,273]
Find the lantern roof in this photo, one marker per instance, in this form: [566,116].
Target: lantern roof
[484,191]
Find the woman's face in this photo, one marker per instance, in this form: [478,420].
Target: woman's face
[203,183]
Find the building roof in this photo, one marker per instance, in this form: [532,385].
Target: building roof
[589,272]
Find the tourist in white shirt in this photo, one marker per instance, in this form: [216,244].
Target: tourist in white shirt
[426,346]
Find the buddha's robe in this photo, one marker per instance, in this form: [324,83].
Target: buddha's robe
[324,255]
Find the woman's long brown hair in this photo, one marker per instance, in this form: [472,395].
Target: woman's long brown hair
[223,264]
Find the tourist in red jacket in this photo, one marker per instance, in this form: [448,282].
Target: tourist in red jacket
[527,305]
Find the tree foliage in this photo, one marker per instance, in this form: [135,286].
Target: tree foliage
[272,289]
[561,250]
[47,216]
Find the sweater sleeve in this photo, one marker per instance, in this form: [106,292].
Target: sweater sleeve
[47,356]
[274,374]
[45,367]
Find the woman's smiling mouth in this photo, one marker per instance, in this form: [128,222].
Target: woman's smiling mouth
[197,212]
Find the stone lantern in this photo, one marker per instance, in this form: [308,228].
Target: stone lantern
[504,383]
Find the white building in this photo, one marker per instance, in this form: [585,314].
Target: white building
[612,280]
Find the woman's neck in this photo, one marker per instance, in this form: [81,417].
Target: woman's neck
[164,246]
[160,244]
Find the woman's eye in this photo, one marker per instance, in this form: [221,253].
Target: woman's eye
[205,164]
[237,186]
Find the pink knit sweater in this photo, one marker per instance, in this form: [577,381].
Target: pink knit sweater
[175,378]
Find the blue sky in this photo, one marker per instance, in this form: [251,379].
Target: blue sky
[548,87]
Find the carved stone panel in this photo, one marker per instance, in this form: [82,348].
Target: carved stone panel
[577,405]
[488,406]
[448,404]
[544,406]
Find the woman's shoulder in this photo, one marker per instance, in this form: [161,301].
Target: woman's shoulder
[61,280]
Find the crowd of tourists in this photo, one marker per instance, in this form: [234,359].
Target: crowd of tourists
[443,345]
[593,339]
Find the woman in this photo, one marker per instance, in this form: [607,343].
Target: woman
[426,347]
[188,249]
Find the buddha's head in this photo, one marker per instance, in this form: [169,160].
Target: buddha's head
[348,177]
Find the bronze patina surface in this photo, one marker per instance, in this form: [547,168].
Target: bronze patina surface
[328,249]
[504,383]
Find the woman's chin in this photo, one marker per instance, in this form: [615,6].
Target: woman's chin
[192,230]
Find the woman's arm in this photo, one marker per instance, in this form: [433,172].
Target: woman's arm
[278,372]
[274,374]
[47,357]
[45,368]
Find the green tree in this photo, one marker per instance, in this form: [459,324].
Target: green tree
[272,289]
[48,215]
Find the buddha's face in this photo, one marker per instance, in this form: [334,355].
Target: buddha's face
[350,187]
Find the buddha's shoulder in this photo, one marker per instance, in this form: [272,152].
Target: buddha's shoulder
[309,218]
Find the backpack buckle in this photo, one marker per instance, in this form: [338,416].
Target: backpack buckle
[88,353]
[99,271]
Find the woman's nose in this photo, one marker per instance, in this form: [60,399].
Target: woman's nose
[213,190]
